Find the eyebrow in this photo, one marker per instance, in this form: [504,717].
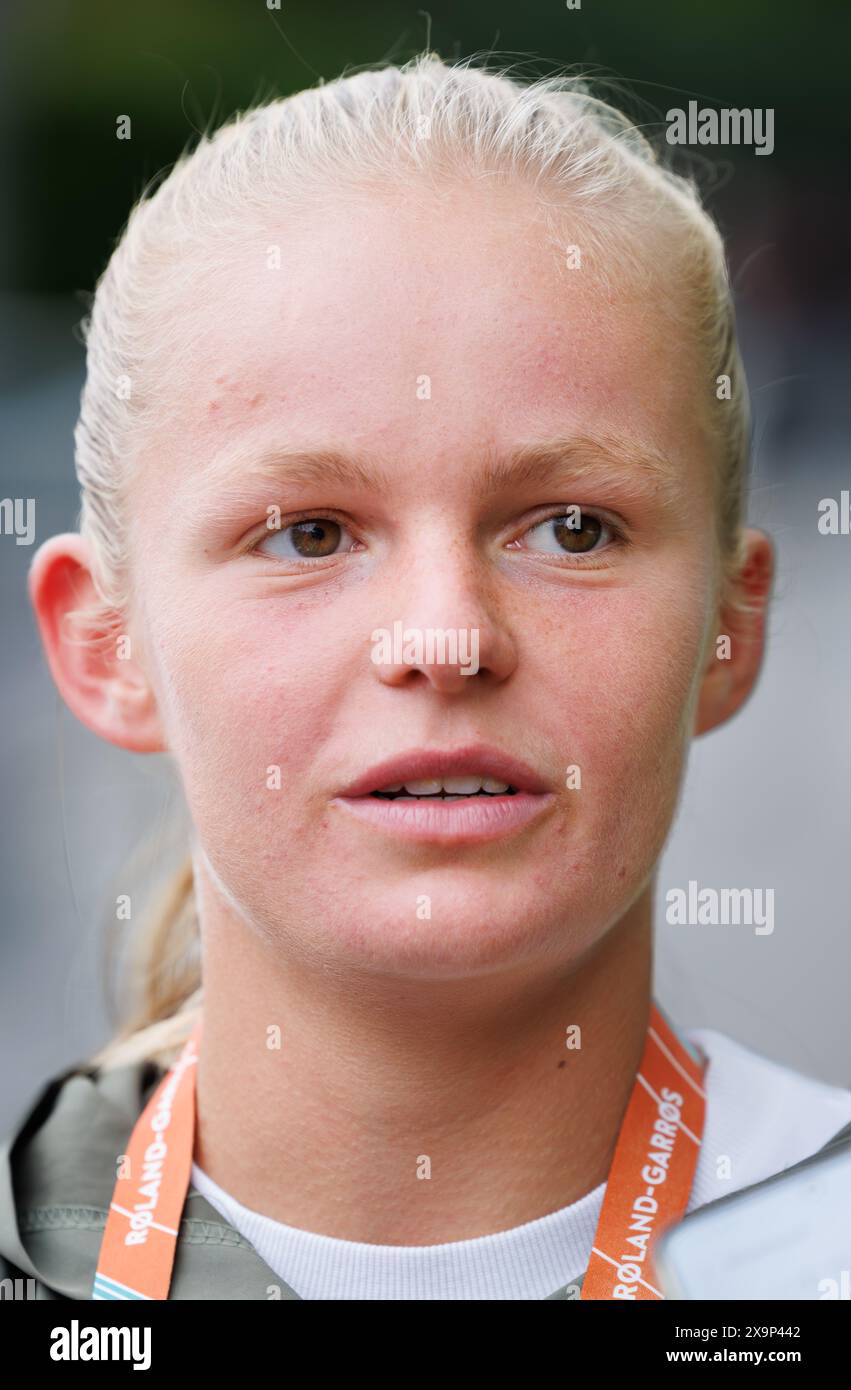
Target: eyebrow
[540,462]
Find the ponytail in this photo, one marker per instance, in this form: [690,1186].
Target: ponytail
[166,972]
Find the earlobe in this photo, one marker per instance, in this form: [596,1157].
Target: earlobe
[734,661]
[89,654]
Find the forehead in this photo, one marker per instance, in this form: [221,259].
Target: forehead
[419,328]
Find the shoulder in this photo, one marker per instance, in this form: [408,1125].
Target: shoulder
[80,1113]
[57,1171]
[761,1116]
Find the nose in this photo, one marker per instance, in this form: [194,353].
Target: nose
[444,625]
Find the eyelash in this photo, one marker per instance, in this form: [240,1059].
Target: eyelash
[581,559]
[301,561]
[585,559]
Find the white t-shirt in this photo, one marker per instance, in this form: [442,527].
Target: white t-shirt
[761,1116]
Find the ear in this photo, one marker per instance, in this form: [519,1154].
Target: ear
[91,659]
[738,641]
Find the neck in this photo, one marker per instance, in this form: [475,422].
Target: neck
[377,1083]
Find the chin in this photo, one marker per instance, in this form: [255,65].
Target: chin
[440,935]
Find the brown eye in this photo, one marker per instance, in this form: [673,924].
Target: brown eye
[313,538]
[573,532]
[577,533]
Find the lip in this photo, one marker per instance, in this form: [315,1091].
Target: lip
[419,763]
[449,822]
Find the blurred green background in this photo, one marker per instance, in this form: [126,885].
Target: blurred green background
[175,67]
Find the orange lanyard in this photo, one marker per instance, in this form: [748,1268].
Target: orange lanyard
[648,1185]
[653,1165]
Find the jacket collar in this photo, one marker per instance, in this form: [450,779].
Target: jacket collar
[57,1173]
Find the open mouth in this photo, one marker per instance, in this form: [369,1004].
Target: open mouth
[452,789]
[449,797]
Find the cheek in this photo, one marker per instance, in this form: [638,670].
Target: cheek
[642,671]
[248,704]
[624,712]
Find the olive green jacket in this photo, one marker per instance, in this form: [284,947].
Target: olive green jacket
[57,1174]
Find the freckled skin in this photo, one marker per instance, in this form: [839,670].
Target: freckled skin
[253,669]
[234,389]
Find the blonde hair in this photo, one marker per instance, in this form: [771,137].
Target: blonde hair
[426,120]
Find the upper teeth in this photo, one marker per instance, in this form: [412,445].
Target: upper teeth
[457,786]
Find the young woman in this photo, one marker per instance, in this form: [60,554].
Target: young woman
[413,450]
